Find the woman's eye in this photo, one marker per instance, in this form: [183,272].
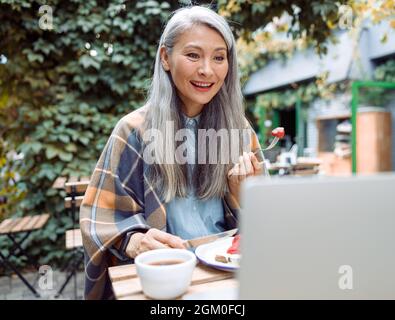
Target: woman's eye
[220,58]
[193,55]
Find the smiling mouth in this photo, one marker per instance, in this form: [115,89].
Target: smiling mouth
[200,85]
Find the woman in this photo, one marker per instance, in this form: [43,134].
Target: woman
[148,193]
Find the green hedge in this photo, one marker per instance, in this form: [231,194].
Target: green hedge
[59,100]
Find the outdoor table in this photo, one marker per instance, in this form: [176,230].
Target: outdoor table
[126,284]
[11,228]
[303,166]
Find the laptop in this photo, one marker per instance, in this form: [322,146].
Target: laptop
[318,238]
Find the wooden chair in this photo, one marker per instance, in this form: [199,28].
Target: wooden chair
[75,188]
[73,242]
[24,225]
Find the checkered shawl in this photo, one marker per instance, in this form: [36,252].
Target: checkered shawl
[120,200]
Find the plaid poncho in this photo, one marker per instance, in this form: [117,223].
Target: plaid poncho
[120,200]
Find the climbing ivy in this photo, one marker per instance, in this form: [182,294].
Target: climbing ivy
[62,89]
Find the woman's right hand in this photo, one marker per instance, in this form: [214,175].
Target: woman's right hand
[152,239]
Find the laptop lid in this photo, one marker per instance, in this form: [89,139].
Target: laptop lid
[318,238]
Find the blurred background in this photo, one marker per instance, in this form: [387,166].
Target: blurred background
[69,70]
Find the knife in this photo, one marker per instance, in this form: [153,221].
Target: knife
[193,243]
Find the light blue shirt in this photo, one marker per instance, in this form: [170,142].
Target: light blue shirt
[191,217]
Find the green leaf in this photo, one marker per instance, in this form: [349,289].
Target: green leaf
[64,138]
[87,61]
[71,147]
[65,156]
[84,140]
[51,152]
[36,146]
[117,58]
[32,57]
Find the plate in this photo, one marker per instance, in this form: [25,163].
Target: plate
[206,254]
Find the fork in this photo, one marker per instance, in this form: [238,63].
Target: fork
[278,133]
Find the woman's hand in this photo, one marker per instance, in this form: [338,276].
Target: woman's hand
[248,166]
[152,239]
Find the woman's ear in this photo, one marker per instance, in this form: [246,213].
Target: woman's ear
[164,58]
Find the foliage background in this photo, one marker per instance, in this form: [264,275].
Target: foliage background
[63,90]
[60,101]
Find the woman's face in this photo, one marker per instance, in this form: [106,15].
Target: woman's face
[199,58]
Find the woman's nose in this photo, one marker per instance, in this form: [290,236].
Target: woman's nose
[205,68]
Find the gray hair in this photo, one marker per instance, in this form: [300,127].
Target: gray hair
[224,111]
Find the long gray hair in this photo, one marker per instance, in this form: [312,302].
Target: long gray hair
[224,111]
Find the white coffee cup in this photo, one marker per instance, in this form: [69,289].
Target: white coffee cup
[165,273]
